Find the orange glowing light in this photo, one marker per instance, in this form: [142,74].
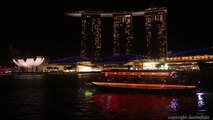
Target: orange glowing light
[144,86]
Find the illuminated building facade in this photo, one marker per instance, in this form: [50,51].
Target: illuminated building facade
[156,32]
[30,64]
[91,37]
[123,34]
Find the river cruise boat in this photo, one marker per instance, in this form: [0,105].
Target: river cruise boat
[150,80]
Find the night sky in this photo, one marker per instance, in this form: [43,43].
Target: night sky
[39,27]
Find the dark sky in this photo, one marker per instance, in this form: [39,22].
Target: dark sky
[39,27]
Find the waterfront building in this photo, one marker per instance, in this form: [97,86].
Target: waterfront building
[30,64]
[123,34]
[156,32]
[91,46]
[91,37]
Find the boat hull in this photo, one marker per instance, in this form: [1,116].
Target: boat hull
[144,88]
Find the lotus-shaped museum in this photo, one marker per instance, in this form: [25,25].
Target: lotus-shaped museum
[29,62]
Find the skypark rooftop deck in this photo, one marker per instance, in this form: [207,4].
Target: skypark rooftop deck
[104,14]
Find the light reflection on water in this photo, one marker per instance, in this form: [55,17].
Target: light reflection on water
[174,105]
[140,106]
[200,102]
[67,97]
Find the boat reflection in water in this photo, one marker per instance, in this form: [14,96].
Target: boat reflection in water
[144,106]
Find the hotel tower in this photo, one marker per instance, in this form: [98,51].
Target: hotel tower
[91,36]
[156,32]
[123,34]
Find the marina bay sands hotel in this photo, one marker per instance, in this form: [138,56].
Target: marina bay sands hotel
[155,27]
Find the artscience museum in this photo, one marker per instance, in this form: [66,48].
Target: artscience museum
[29,64]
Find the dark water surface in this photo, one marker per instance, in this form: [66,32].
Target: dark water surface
[67,97]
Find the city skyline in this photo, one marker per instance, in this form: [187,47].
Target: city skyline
[36,27]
